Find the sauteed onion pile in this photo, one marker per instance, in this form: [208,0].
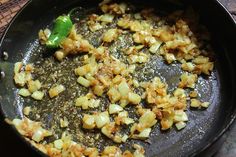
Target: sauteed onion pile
[123,98]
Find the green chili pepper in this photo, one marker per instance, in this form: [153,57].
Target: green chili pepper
[61,29]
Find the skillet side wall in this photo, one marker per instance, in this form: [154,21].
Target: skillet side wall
[223,32]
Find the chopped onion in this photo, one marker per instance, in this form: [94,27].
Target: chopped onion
[81,71]
[55,91]
[113,108]
[60,55]
[64,122]
[88,121]
[84,82]
[139,152]
[136,83]
[98,90]
[166,123]
[58,144]
[188,80]
[205,104]
[134,98]
[17,122]
[28,76]
[188,66]
[127,121]
[110,35]
[180,125]
[123,114]
[154,48]
[82,102]
[24,92]
[180,93]
[124,138]
[180,115]
[95,26]
[17,67]
[114,94]
[137,16]
[111,151]
[148,119]
[123,88]
[170,57]
[195,103]
[29,68]
[20,79]
[33,85]
[102,119]
[143,135]
[124,102]
[38,135]
[37,95]
[193,94]
[85,102]
[27,110]
[94,103]
[106,18]
[122,7]
[201,60]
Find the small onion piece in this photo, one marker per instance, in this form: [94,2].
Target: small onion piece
[17,122]
[180,125]
[166,123]
[58,144]
[33,85]
[102,119]
[113,108]
[124,138]
[114,94]
[84,82]
[154,48]
[123,88]
[205,104]
[195,103]
[98,90]
[134,98]
[136,83]
[40,134]
[180,115]
[24,92]
[94,103]
[143,135]
[148,119]
[17,67]
[55,91]
[110,35]
[127,121]
[27,110]
[108,18]
[60,55]
[20,78]
[82,102]
[139,152]
[37,95]
[64,122]
[88,121]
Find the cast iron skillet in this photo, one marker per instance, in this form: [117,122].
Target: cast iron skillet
[204,128]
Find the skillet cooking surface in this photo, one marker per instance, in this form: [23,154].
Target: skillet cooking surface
[202,126]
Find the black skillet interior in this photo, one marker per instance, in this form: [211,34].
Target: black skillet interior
[204,126]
